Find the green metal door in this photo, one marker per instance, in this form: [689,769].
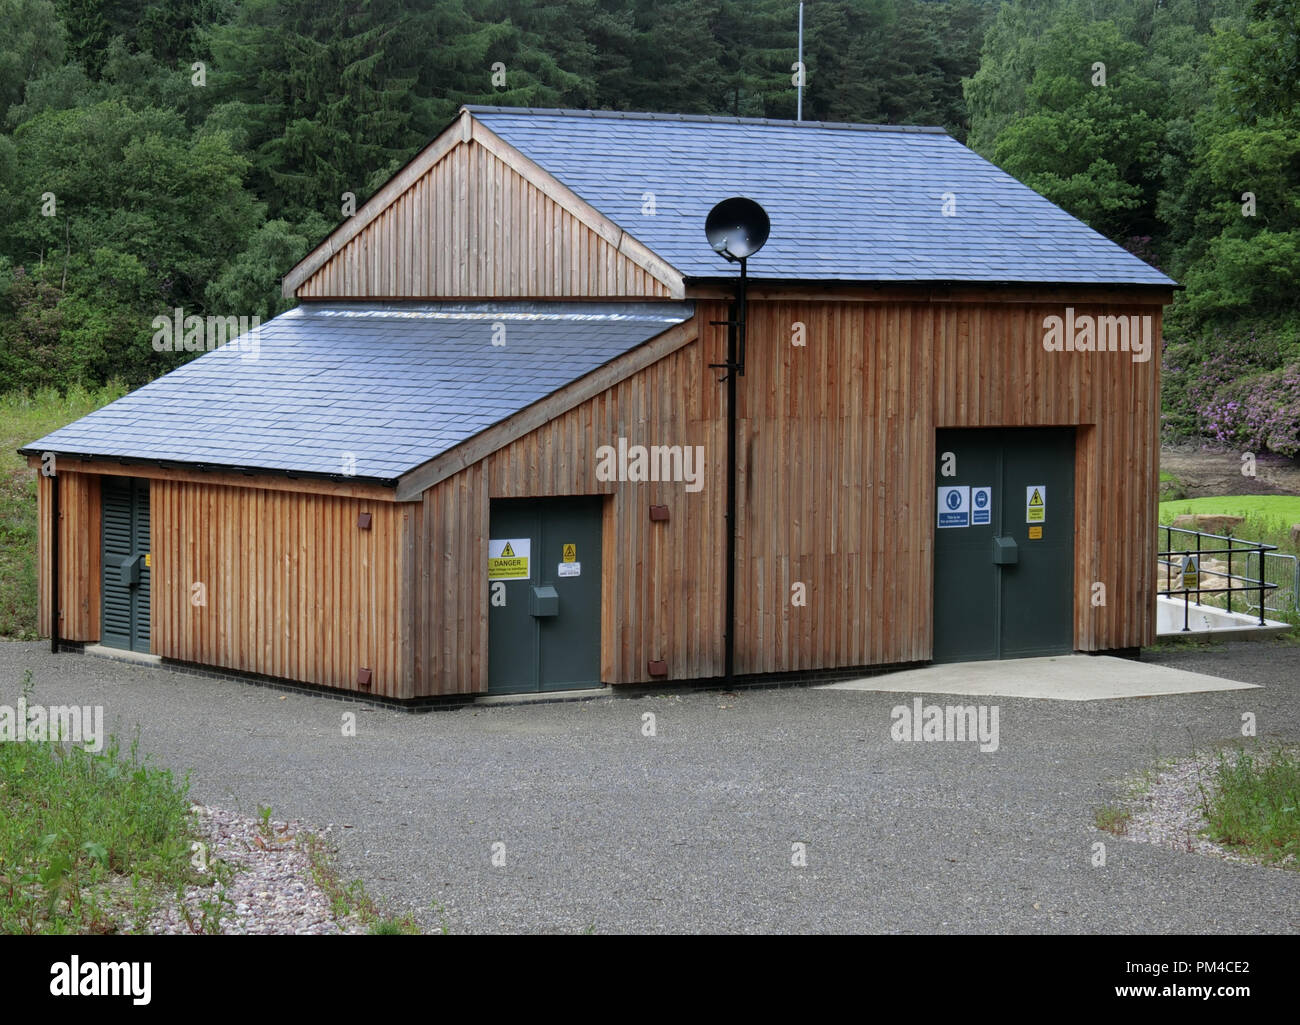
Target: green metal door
[124,563]
[1004,543]
[544,562]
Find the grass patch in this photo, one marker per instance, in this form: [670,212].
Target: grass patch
[1112,819]
[23,419]
[1253,805]
[351,898]
[1171,487]
[1268,517]
[89,841]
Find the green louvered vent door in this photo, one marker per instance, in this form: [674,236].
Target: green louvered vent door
[124,554]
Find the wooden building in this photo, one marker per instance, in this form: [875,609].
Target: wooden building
[486,451]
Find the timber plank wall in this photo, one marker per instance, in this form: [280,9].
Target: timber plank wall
[473,224]
[836,488]
[293,588]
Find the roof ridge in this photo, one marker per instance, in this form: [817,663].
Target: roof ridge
[717,119]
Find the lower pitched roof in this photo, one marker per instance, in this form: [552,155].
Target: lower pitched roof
[366,390]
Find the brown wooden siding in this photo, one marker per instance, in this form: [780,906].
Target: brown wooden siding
[836,489]
[294,588]
[472,225]
[836,462]
[79,540]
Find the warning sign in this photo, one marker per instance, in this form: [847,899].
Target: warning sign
[508,559]
[570,553]
[954,506]
[1035,533]
[1036,504]
[1191,573]
[981,500]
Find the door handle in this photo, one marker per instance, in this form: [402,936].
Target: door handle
[128,570]
[544,601]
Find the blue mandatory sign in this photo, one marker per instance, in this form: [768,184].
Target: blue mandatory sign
[982,506]
[954,506]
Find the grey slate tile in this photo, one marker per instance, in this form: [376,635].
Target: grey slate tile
[848,202]
[397,384]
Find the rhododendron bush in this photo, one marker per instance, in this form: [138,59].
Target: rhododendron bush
[1238,391]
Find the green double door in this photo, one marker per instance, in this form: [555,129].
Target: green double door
[124,563]
[544,565]
[1004,543]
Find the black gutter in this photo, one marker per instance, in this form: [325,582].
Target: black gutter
[735,367]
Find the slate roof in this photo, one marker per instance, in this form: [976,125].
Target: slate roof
[395,384]
[847,202]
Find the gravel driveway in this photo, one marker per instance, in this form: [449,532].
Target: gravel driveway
[692,830]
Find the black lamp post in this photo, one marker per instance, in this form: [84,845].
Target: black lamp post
[736,228]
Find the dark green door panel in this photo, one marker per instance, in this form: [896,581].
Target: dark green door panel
[569,643]
[125,574]
[998,592]
[546,635]
[1038,592]
[512,633]
[965,579]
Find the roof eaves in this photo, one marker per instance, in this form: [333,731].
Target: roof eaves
[723,279]
[209,467]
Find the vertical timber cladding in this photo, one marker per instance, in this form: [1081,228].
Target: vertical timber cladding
[991,370]
[284,584]
[835,490]
[661,582]
[508,237]
[79,562]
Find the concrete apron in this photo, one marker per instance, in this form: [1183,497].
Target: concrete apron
[1058,678]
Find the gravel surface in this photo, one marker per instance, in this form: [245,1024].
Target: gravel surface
[270,891]
[565,817]
[1168,810]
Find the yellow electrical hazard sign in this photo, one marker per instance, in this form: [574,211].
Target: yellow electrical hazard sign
[148,560]
[1191,573]
[570,553]
[508,559]
[1036,504]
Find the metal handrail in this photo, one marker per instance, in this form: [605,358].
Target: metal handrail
[1246,548]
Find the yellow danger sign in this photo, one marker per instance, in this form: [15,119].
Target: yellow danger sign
[1036,504]
[570,553]
[508,558]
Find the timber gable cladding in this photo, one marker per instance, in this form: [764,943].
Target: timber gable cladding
[836,485]
[471,216]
